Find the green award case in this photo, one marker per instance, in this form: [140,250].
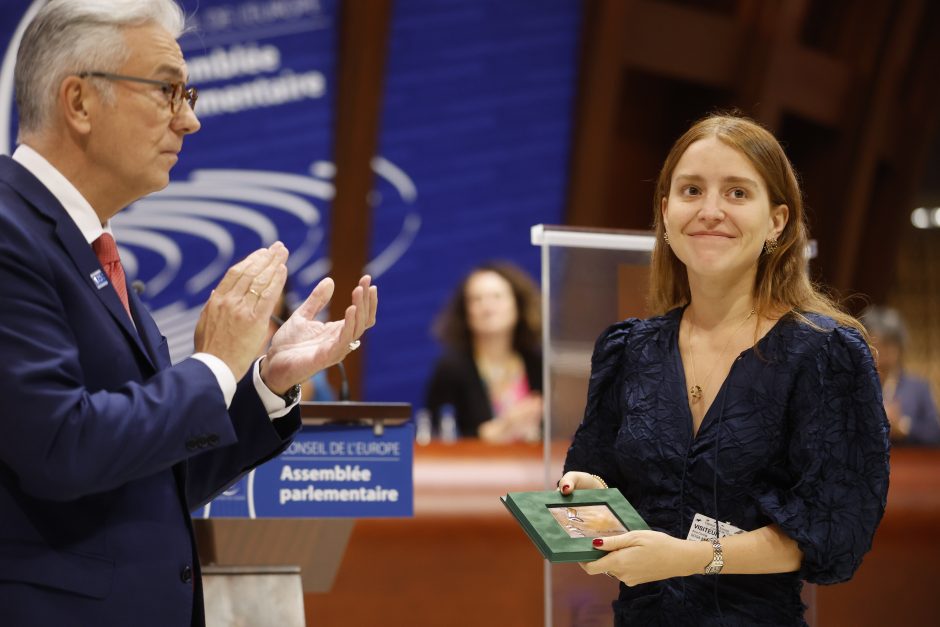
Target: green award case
[567,535]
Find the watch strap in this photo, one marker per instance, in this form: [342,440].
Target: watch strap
[291,396]
[718,559]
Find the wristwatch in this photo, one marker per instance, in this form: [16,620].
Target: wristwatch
[718,560]
[291,396]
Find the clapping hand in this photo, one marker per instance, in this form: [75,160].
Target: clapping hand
[233,324]
[304,345]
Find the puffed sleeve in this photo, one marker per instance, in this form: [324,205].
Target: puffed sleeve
[592,449]
[836,482]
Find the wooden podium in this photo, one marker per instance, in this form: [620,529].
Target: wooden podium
[268,548]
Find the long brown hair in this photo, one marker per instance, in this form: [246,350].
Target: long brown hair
[782,284]
[451,326]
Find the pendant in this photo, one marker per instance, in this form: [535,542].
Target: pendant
[695,392]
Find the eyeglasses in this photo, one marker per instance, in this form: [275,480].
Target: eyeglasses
[174,92]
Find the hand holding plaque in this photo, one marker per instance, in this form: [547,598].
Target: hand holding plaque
[563,526]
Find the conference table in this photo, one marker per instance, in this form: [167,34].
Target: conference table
[462,559]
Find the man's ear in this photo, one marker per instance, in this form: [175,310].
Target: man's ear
[77,100]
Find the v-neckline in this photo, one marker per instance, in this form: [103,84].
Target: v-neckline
[680,368]
[690,419]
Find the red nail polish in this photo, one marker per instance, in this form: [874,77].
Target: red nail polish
[565,487]
[598,542]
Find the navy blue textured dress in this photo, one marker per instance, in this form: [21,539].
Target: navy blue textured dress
[797,436]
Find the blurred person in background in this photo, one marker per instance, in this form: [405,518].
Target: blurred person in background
[491,371]
[910,406]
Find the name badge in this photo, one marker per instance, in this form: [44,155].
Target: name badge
[703,528]
[99,279]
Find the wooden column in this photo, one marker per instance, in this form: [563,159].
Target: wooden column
[599,95]
[364,28]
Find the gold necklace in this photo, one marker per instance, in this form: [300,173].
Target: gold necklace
[497,372]
[696,392]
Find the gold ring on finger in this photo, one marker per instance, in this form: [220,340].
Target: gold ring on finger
[255,292]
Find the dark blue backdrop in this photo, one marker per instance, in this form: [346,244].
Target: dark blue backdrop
[474,145]
[477,110]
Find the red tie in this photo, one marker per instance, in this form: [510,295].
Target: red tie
[107,253]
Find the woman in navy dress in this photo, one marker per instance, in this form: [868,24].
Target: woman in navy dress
[750,399]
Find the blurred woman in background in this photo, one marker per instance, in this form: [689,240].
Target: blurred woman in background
[490,374]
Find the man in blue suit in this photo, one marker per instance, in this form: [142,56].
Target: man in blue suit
[105,446]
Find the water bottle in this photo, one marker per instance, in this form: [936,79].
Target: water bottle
[423,427]
[448,424]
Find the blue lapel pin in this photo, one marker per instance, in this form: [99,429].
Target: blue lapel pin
[99,279]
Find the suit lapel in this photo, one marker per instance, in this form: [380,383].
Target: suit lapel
[149,333]
[72,240]
[88,266]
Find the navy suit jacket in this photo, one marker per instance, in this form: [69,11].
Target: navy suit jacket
[105,447]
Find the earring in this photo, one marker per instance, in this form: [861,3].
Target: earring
[770,246]
[666,238]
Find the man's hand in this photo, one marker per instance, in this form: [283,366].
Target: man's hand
[234,323]
[303,346]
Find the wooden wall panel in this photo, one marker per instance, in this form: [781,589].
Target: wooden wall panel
[844,84]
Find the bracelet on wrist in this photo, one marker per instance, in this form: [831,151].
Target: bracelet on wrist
[718,558]
[601,481]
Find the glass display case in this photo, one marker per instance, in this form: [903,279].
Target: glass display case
[590,279]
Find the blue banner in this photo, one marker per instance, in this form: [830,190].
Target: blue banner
[477,109]
[328,472]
